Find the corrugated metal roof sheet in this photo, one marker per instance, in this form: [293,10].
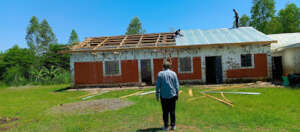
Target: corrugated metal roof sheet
[285,40]
[221,36]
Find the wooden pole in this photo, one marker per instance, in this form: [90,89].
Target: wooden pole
[220,100]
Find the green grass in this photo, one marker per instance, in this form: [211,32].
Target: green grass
[276,109]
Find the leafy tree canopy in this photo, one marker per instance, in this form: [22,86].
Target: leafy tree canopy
[47,35]
[33,34]
[39,36]
[135,27]
[290,18]
[244,21]
[73,37]
[262,12]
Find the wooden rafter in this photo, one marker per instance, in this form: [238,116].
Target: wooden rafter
[140,41]
[122,43]
[99,45]
[158,38]
[86,41]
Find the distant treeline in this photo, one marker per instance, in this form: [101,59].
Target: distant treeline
[41,62]
[265,18]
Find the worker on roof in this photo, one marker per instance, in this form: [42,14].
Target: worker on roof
[167,87]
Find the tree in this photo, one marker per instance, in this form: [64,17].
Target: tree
[47,36]
[16,62]
[73,37]
[53,58]
[274,26]
[135,27]
[262,12]
[244,21]
[33,34]
[290,18]
[39,36]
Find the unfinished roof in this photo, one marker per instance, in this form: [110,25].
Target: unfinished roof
[285,40]
[222,36]
[190,38]
[126,41]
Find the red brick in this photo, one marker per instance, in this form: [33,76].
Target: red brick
[92,73]
[196,75]
[260,68]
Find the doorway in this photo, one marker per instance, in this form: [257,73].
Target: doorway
[214,72]
[277,68]
[146,71]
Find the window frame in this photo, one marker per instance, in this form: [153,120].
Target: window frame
[192,65]
[104,68]
[252,61]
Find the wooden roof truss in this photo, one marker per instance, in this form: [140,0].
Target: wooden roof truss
[128,41]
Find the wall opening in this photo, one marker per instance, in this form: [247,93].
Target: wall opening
[277,70]
[146,71]
[214,72]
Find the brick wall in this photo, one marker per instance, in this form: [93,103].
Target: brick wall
[196,75]
[92,73]
[260,69]
[88,72]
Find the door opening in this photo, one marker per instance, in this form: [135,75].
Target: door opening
[277,68]
[214,72]
[146,71]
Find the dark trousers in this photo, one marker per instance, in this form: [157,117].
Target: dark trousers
[168,108]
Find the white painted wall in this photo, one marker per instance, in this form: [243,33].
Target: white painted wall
[291,60]
[230,56]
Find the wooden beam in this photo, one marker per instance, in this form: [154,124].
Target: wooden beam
[140,41]
[222,94]
[121,44]
[157,40]
[81,44]
[99,45]
[223,101]
[131,94]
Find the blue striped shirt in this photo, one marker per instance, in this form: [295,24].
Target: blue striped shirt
[167,84]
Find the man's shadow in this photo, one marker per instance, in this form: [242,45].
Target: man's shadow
[149,130]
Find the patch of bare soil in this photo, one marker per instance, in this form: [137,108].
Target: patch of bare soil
[5,120]
[93,106]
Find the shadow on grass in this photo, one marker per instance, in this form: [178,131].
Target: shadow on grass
[149,130]
[62,89]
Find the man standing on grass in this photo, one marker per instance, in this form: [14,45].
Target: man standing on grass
[167,87]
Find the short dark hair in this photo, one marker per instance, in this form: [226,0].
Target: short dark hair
[167,65]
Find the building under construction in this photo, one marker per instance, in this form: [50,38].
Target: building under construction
[197,56]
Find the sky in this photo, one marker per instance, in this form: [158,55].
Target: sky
[92,18]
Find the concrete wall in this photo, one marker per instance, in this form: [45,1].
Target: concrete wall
[231,59]
[291,60]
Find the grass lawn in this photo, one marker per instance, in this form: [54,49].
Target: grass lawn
[276,109]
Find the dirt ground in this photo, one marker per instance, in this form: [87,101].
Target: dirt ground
[5,120]
[93,106]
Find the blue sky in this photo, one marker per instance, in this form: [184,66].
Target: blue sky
[111,17]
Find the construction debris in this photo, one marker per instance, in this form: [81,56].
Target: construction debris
[91,96]
[248,93]
[180,92]
[213,97]
[145,93]
[131,94]
[222,94]
[190,92]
